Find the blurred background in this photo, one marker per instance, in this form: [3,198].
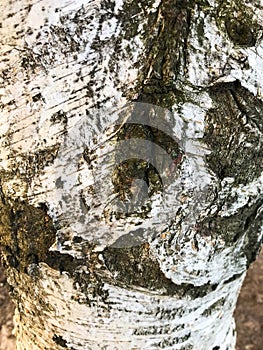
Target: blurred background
[248,315]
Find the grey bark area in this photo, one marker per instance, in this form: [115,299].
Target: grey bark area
[130,169]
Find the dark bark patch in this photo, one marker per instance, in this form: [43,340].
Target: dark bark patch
[240,32]
[29,61]
[234,133]
[218,305]
[135,266]
[27,165]
[252,243]
[27,232]
[62,262]
[59,117]
[231,228]
[236,20]
[91,285]
[247,222]
[126,171]
[77,239]
[171,341]
[233,278]
[86,278]
[165,38]
[38,97]
[59,340]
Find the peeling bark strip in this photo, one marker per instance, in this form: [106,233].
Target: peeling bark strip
[95,95]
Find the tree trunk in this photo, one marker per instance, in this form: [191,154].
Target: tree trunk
[131,169]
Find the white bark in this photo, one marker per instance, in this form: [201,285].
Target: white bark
[70,70]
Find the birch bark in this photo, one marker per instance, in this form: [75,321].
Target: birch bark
[131,169]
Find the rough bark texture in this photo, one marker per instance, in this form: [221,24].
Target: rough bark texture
[79,80]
